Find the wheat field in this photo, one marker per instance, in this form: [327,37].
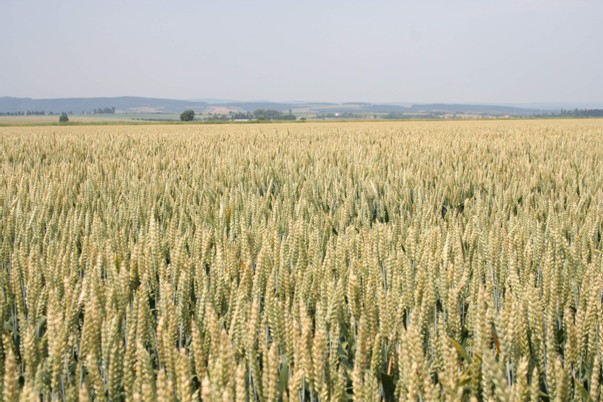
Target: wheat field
[302,262]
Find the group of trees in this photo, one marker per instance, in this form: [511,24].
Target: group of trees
[27,113]
[260,114]
[341,115]
[231,116]
[106,110]
[271,114]
[241,116]
[63,118]
[582,113]
[415,116]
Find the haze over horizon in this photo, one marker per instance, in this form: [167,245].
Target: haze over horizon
[499,52]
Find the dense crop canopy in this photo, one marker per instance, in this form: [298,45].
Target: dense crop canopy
[395,261]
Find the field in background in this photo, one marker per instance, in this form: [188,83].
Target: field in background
[54,119]
[395,261]
[90,118]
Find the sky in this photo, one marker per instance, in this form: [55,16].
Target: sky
[461,51]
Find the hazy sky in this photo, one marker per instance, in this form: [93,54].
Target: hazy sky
[495,51]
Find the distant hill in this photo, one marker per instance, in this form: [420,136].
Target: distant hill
[87,105]
[251,106]
[477,109]
[133,104]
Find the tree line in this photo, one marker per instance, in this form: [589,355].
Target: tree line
[582,113]
[259,114]
[27,113]
[105,110]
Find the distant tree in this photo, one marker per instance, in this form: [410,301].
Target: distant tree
[63,118]
[187,115]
